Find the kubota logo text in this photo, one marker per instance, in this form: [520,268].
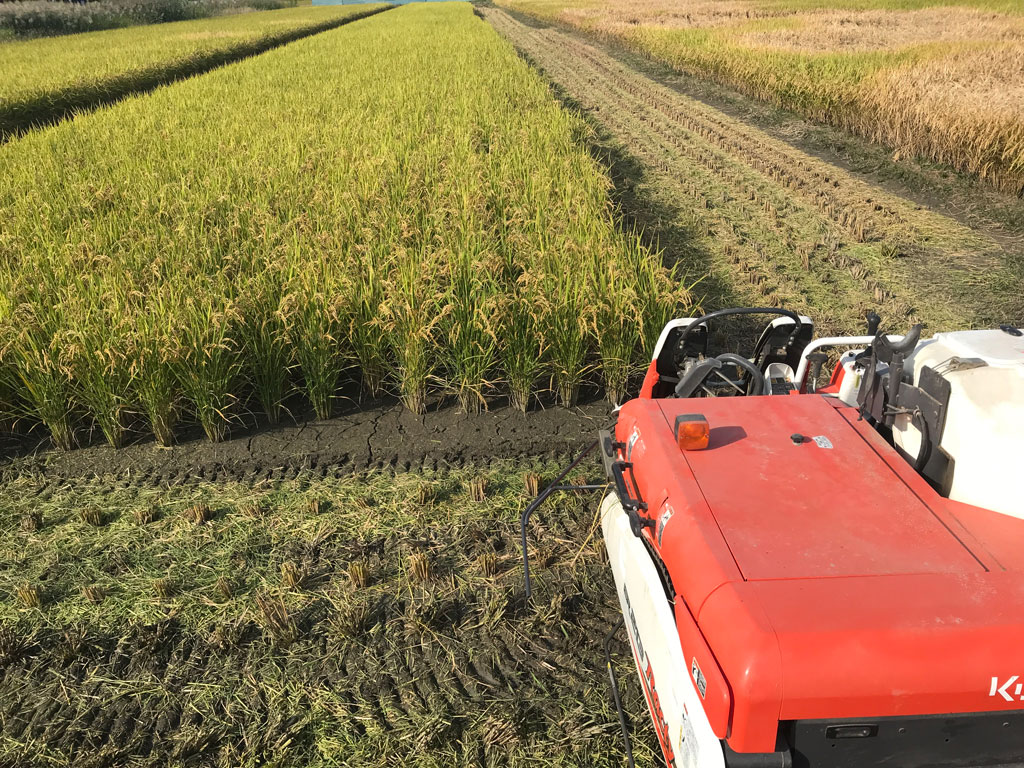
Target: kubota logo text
[1010,690]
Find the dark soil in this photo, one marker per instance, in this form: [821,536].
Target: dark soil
[381,436]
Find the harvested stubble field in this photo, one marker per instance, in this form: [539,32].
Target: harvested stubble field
[416,212]
[46,80]
[371,620]
[768,222]
[937,79]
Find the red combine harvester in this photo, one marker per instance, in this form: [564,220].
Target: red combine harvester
[822,577]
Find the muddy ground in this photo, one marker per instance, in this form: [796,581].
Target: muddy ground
[384,435]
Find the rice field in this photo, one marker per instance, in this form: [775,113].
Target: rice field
[360,621]
[46,79]
[938,80]
[414,214]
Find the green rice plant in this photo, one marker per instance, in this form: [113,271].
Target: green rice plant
[471,342]
[47,78]
[277,224]
[38,354]
[206,364]
[316,317]
[367,335]
[412,315]
[101,350]
[566,324]
[267,350]
[153,370]
[617,328]
[522,344]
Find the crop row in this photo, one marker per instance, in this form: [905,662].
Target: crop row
[401,201]
[46,79]
[780,226]
[941,84]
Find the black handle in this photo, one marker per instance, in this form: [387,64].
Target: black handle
[757,379]
[817,360]
[886,350]
[629,503]
[874,320]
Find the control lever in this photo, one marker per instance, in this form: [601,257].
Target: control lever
[817,360]
[874,320]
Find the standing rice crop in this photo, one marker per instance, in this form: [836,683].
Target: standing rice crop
[45,79]
[420,216]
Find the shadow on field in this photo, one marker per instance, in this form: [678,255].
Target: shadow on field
[657,221]
[53,108]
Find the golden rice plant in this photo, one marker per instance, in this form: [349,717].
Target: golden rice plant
[92,516]
[145,515]
[197,514]
[94,593]
[224,588]
[272,232]
[291,575]
[164,588]
[478,488]
[32,521]
[253,509]
[531,484]
[488,564]
[276,620]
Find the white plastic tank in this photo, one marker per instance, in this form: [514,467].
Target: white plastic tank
[984,431]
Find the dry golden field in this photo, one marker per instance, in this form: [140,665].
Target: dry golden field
[931,79]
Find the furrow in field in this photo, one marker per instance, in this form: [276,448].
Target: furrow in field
[781,226]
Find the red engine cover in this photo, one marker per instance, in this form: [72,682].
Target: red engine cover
[827,578]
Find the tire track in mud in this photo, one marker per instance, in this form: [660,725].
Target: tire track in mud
[378,437]
[782,226]
[460,665]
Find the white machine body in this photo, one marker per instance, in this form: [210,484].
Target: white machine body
[985,417]
[673,701]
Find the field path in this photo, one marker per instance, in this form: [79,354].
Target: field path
[772,224]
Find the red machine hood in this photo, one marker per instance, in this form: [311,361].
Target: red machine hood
[812,509]
[826,578]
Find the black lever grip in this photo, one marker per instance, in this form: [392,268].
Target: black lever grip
[886,350]
[874,320]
